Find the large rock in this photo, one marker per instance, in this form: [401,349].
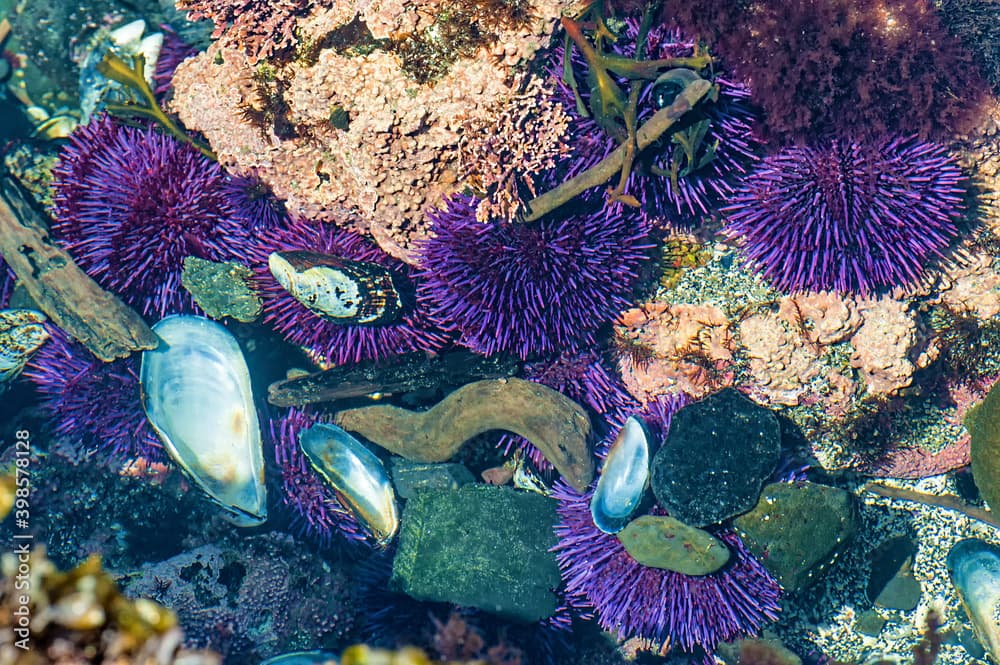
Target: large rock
[797,529]
[480,546]
[716,456]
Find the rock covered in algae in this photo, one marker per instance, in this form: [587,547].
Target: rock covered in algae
[222,289]
[797,528]
[480,546]
[555,424]
[983,423]
[659,541]
[715,458]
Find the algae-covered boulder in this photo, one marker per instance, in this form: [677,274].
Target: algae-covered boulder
[480,546]
[983,423]
[796,529]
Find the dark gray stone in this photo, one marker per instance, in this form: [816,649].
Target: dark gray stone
[715,458]
[480,546]
[797,529]
[412,477]
[891,583]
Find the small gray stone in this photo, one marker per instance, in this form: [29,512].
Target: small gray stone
[869,623]
[480,546]
[891,583]
[412,477]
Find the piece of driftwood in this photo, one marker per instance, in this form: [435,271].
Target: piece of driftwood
[554,423]
[399,374]
[945,501]
[604,170]
[70,298]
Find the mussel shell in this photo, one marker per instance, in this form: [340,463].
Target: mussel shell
[197,396]
[974,566]
[624,477]
[302,658]
[340,290]
[356,474]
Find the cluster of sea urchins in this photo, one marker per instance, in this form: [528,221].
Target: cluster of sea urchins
[631,600]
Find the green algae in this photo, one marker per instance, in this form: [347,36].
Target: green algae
[983,423]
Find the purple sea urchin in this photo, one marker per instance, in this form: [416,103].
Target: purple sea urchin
[174,51]
[527,289]
[337,343]
[253,203]
[316,510]
[94,404]
[131,204]
[632,600]
[850,217]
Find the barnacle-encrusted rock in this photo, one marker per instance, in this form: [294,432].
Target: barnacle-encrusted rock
[782,362]
[890,346]
[691,349]
[399,152]
[825,317]
[552,422]
[975,288]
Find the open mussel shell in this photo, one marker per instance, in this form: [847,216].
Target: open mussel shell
[356,474]
[340,290]
[196,392]
[974,566]
[624,477]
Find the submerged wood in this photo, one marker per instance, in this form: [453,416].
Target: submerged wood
[605,169]
[66,294]
[552,422]
[399,374]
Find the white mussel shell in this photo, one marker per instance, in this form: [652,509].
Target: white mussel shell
[196,392]
[623,479]
[975,571]
[356,474]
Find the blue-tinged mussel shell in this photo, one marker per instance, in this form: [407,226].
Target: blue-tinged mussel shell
[975,571]
[624,477]
[340,290]
[356,474]
[197,396]
[302,658]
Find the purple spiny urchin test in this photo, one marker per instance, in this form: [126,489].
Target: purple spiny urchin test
[849,217]
[173,52]
[583,378]
[132,203]
[254,204]
[692,612]
[7,282]
[94,404]
[316,511]
[539,288]
[335,342]
[729,147]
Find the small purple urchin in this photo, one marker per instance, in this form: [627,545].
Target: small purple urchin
[338,343]
[254,204]
[131,203]
[850,217]
[539,288]
[730,131]
[583,378]
[632,600]
[316,511]
[94,404]
[173,52]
